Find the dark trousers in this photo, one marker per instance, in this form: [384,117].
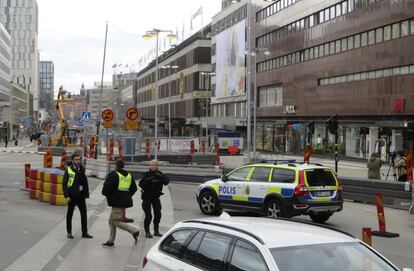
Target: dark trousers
[80,202]
[146,206]
[402,178]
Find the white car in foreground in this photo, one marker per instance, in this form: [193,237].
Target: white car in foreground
[260,244]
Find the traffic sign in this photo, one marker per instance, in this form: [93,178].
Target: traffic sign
[132,114]
[86,116]
[107,115]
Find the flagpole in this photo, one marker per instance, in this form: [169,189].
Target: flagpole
[202,11]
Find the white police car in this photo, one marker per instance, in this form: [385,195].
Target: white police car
[260,244]
[280,188]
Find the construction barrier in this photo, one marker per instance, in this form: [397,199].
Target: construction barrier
[409,163]
[56,190]
[367,236]
[192,148]
[48,159]
[158,144]
[111,149]
[92,148]
[85,152]
[65,141]
[147,147]
[63,160]
[381,219]
[26,175]
[120,152]
[203,147]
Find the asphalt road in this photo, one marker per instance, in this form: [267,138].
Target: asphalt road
[24,222]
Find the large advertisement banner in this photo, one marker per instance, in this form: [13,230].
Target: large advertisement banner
[230,63]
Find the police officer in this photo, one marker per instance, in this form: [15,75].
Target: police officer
[119,187]
[76,190]
[151,185]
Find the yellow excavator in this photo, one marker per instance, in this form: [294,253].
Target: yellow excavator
[62,98]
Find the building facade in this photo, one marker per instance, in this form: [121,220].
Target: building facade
[46,77]
[228,58]
[20,19]
[5,110]
[183,88]
[109,96]
[351,58]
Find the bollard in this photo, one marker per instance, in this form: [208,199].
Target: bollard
[65,141]
[217,154]
[26,175]
[85,151]
[92,148]
[203,147]
[120,154]
[81,142]
[111,149]
[158,144]
[48,159]
[49,143]
[367,236]
[192,148]
[381,219]
[63,160]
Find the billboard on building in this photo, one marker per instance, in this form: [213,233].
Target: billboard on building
[230,63]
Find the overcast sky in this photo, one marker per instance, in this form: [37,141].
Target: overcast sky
[72,33]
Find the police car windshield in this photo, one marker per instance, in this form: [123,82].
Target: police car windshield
[320,177]
[328,257]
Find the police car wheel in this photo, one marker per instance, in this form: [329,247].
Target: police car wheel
[274,209]
[320,217]
[208,203]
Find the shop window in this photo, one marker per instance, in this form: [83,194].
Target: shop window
[404,29]
[379,35]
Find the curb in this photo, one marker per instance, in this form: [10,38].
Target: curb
[27,152]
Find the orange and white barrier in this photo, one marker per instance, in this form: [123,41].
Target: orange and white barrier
[381,218]
[48,159]
[367,236]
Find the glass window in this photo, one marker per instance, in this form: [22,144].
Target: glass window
[338,10]
[411,68]
[387,32]
[371,75]
[396,71]
[212,251]
[282,175]
[371,37]
[379,73]
[321,54]
[239,174]
[404,70]
[351,5]
[278,6]
[174,243]
[324,257]
[190,253]
[357,41]
[350,43]
[332,12]
[320,177]
[350,78]
[326,49]
[338,46]
[379,35]
[311,53]
[412,26]
[344,45]
[344,7]
[357,77]
[326,14]
[332,48]
[316,51]
[260,174]
[363,76]
[387,72]
[364,39]
[321,16]
[246,257]
[312,21]
[404,28]
[396,31]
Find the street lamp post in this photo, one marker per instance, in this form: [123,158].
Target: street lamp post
[209,74]
[150,34]
[169,67]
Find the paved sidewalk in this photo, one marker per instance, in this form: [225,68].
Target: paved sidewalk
[55,252]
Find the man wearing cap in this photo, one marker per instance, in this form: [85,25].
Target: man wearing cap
[119,187]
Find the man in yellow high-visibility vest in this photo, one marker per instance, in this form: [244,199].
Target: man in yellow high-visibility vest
[76,190]
[119,187]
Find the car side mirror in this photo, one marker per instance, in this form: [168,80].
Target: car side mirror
[224,178]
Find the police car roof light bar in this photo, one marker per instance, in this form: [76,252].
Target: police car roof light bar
[278,162]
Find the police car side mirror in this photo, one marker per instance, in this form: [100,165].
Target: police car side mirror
[224,178]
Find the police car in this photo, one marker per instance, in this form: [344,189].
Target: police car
[279,188]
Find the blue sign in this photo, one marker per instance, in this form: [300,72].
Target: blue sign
[27,122]
[85,116]
[80,123]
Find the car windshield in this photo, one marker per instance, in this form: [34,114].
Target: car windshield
[320,177]
[327,257]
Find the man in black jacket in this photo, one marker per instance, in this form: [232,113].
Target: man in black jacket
[76,190]
[151,185]
[119,187]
